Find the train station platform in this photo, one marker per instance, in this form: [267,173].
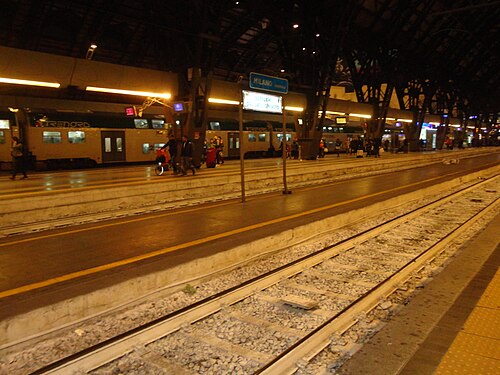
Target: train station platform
[450,327]
[49,200]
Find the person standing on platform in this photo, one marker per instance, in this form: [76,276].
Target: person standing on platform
[172,150]
[187,151]
[338,145]
[219,147]
[321,151]
[18,164]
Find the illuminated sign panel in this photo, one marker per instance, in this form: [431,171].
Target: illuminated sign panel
[256,101]
[268,83]
[340,120]
[178,107]
[130,111]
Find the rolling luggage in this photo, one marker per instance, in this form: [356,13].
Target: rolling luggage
[359,153]
[211,157]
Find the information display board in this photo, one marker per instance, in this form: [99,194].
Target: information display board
[257,101]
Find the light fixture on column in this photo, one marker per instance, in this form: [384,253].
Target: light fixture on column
[90,51]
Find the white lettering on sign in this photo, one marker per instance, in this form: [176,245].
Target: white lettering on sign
[62,124]
[264,82]
[256,101]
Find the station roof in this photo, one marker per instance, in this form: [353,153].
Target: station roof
[451,42]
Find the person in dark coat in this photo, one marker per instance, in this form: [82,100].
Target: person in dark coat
[187,151]
[18,165]
[171,145]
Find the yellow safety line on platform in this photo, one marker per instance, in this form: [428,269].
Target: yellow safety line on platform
[105,267]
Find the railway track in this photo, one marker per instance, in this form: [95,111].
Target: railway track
[284,320]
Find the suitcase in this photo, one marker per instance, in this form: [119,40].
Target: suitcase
[211,158]
[359,153]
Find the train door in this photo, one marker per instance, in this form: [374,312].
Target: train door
[113,146]
[233,144]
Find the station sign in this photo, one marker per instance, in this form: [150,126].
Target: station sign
[258,101]
[268,83]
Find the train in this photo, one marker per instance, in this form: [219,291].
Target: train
[71,140]
[62,140]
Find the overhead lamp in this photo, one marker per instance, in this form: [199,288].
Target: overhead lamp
[90,51]
[129,92]
[359,115]
[29,83]
[390,119]
[14,110]
[317,35]
[295,26]
[223,101]
[294,109]
[404,120]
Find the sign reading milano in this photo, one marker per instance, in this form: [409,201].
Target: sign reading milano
[268,83]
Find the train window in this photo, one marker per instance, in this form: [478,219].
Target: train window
[262,137]
[4,124]
[145,148]
[107,144]
[158,124]
[252,137]
[119,145]
[76,136]
[280,137]
[52,137]
[141,123]
[2,137]
[214,125]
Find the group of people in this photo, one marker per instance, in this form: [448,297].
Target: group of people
[180,155]
[355,146]
[213,151]
[292,150]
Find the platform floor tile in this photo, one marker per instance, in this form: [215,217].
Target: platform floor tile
[476,349]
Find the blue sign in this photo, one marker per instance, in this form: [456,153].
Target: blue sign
[268,83]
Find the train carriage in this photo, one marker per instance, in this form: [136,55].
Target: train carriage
[65,141]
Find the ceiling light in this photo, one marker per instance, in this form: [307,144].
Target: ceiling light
[404,120]
[360,115]
[129,92]
[14,110]
[29,83]
[295,26]
[294,109]
[223,101]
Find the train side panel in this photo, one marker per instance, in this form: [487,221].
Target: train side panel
[5,144]
[49,144]
[141,144]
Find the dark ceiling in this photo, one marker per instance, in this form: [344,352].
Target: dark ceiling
[449,42]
